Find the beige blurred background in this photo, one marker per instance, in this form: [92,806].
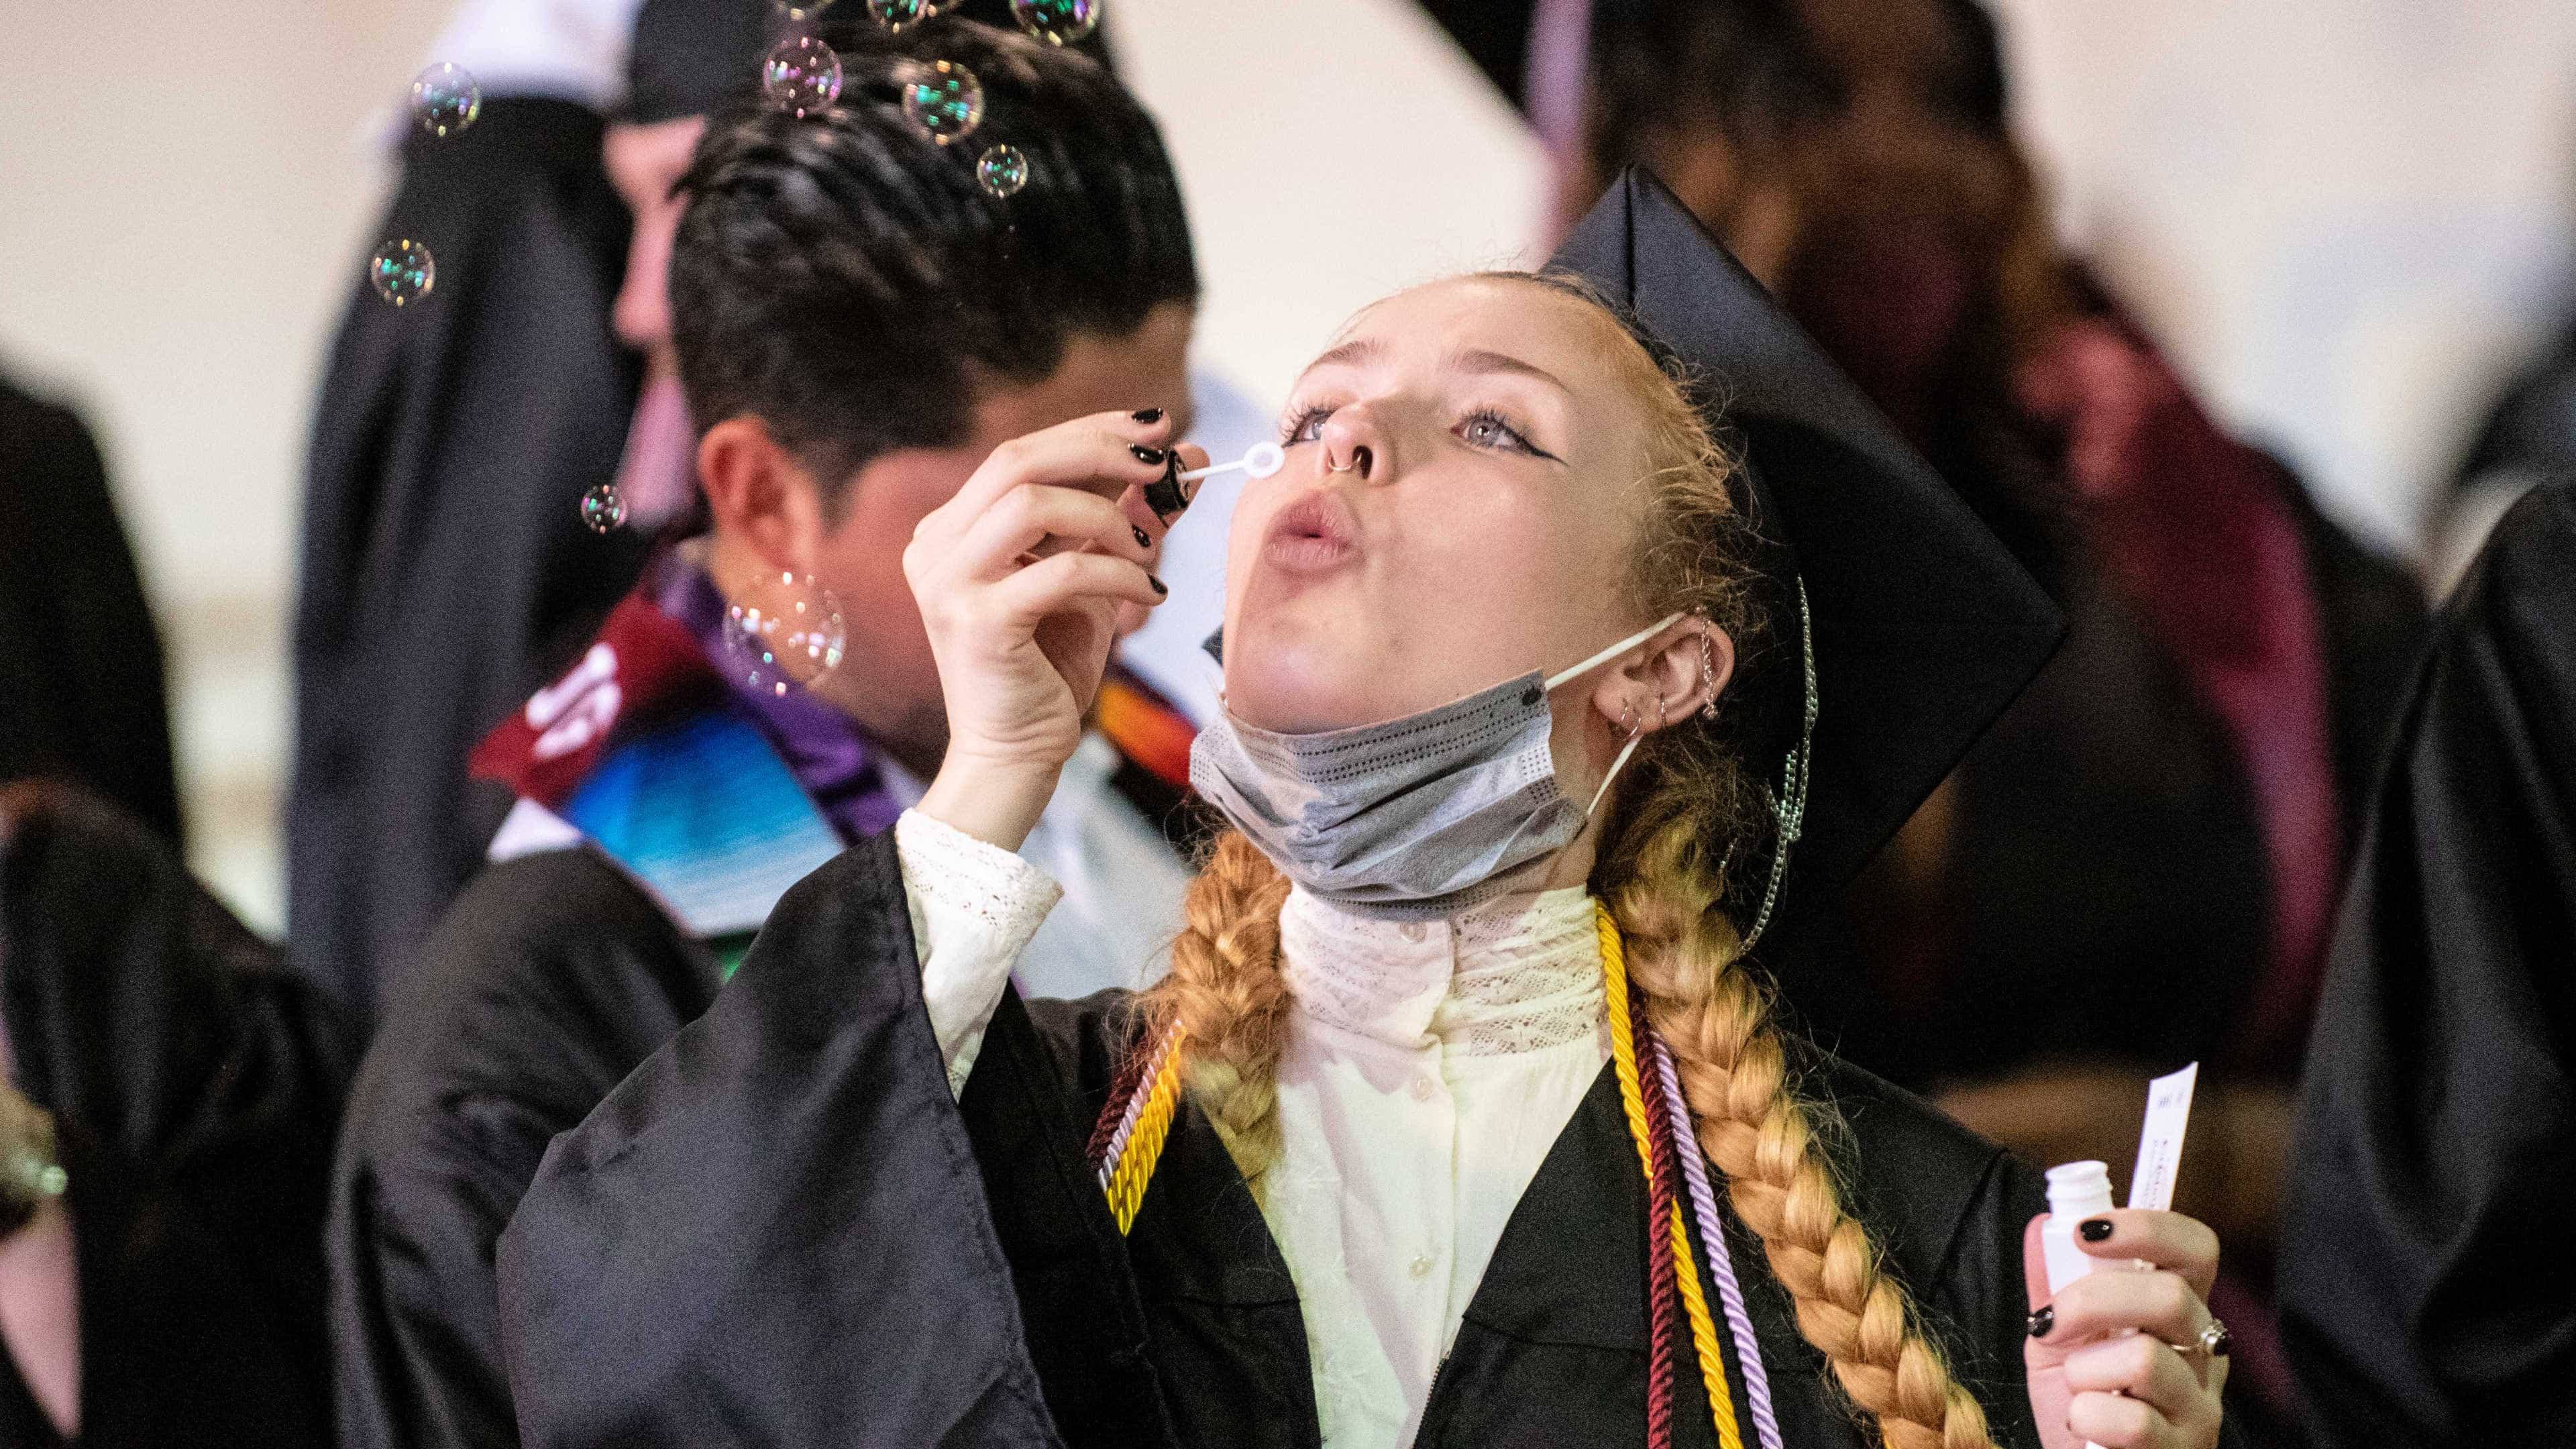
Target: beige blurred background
[2348,219]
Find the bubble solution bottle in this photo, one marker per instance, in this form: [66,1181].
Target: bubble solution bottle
[2076,1191]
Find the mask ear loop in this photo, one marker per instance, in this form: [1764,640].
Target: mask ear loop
[1636,731]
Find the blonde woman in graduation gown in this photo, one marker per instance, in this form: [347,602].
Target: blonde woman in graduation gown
[1556,702]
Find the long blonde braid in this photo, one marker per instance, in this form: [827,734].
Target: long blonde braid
[1668,846]
[1228,995]
[1663,869]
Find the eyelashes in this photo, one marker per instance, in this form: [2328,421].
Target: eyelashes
[1300,425]
[1484,428]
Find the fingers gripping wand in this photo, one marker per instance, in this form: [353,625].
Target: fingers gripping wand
[1173,492]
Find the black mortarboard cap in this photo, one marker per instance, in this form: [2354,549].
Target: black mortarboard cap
[1924,627]
[691,57]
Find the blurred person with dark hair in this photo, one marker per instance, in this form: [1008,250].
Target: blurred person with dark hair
[165,1141]
[81,693]
[2428,1296]
[2137,866]
[858,323]
[446,571]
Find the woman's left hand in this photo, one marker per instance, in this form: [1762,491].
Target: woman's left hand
[2120,1358]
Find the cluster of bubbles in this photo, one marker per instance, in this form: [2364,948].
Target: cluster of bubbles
[803,75]
[445,99]
[793,643]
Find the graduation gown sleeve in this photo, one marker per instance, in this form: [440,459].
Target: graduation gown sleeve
[2424,1280]
[195,1083]
[776,1231]
[548,981]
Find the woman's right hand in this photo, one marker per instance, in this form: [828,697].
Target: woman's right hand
[1019,579]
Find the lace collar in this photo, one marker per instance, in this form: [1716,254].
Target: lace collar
[1518,974]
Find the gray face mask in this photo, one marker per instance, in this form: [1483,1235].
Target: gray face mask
[1411,817]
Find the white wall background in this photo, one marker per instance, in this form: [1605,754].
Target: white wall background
[183,189]
[2347,218]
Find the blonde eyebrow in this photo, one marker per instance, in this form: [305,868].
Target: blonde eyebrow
[1480,361]
[1361,351]
[1357,352]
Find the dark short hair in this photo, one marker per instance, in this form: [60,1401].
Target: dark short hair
[848,281]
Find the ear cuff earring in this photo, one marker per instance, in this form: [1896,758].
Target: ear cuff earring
[1708,674]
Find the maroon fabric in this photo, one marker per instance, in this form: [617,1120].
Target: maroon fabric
[1663,1293]
[2197,531]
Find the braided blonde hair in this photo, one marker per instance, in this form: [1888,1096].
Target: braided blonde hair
[1663,869]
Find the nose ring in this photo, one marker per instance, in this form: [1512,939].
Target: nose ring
[1329,468]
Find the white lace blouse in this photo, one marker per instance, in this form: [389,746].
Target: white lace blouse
[1430,1068]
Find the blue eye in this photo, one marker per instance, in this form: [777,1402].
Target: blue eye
[1305,426]
[1487,429]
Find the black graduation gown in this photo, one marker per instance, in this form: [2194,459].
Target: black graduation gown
[2427,1289]
[782,1230]
[81,694]
[445,572]
[195,1083]
[551,977]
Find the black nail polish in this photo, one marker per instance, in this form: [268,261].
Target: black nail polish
[1151,457]
[2042,1321]
[2095,1230]
[1143,539]
[1147,416]
[1166,495]
[1158,584]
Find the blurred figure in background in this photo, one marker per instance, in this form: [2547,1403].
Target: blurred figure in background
[670,792]
[2137,866]
[81,693]
[2428,1295]
[446,572]
[165,1138]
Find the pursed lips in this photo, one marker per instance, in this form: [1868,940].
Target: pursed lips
[1313,535]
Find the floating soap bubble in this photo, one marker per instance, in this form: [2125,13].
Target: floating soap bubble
[402,271]
[445,99]
[1059,22]
[900,15]
[787,637]
[943,98]
[1002,170]
[603,508]
[801,76]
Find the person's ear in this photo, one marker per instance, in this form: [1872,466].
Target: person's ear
[1682,669]
[761,495]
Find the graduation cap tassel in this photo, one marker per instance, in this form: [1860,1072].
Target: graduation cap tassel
[1721,1263]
